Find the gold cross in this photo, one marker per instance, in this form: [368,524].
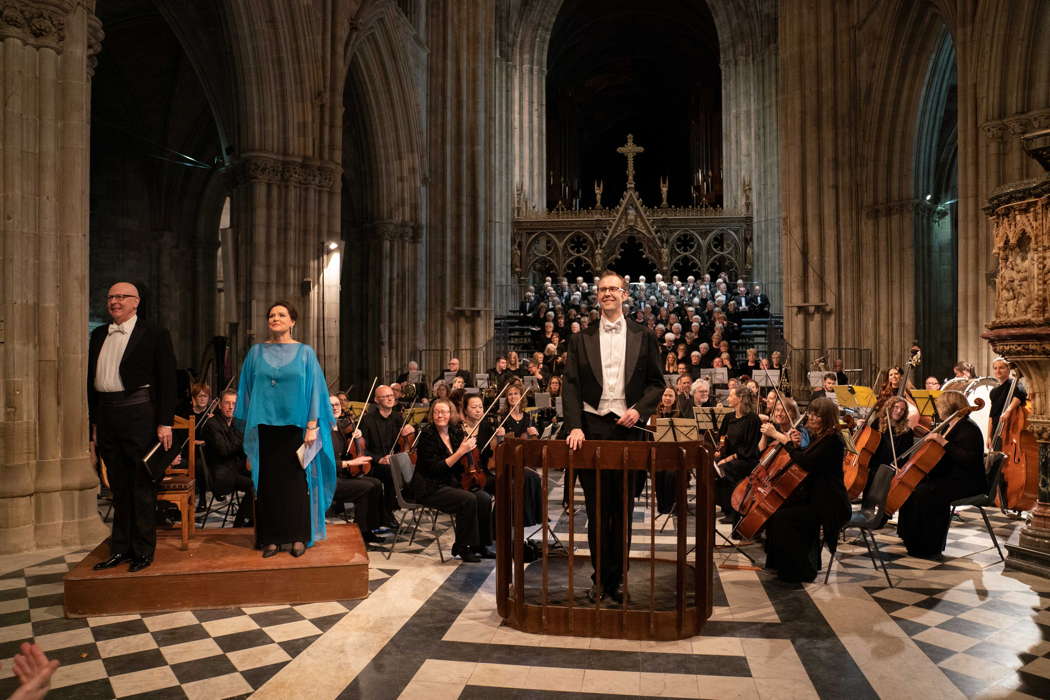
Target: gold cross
[630,150]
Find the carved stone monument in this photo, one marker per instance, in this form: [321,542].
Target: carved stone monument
[1020,214]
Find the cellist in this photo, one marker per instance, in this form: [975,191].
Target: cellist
[999,409]
[924,518]
[738,453]
[897,439]
[793,532]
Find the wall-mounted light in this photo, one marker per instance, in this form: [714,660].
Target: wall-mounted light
[332,245]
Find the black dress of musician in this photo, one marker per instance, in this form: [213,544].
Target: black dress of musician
[131,405]
[518,424]
[1001,370]
[924,518]
[739,455]
[613,381]
[365,492]
[381,426]
[820,503]
[897,436]
[439,449]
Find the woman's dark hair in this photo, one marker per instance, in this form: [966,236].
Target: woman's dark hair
[828,413]
[292,313]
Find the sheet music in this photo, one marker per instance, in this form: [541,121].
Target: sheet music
[306,453]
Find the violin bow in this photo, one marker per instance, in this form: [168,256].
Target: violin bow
[516,404]
[403,424]
[357,423]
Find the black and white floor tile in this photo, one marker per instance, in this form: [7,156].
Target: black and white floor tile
[960,627]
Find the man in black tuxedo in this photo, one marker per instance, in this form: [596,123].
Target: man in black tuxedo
[613,381]
[758,302]
[131,405]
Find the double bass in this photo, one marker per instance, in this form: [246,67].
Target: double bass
[856,465]
[921,458]
[1015,448]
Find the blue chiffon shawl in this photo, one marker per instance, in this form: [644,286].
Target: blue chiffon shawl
[283,384]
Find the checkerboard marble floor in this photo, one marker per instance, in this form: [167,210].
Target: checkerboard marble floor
[961,627]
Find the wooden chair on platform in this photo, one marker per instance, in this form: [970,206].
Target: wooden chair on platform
[179,483]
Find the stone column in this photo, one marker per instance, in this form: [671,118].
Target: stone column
[284,212]
[463,193]
[1020,214]
[47,495]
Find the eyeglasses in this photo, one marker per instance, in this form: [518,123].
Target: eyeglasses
[120,297]
[609,290]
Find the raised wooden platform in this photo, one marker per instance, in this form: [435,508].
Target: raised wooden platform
[221,569]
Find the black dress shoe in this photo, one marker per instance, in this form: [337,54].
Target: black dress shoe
[595,593]
[268,552]
[298,549]
[465,554]
[139,563]
[617,594]
[112,561]
[486,552]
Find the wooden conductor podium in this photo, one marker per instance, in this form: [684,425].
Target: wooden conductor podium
[668,588]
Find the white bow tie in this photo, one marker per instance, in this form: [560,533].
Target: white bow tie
[613,327]
[116,328]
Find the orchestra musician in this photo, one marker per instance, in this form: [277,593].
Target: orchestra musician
[518,423]
[365,492]
[670,406]
[781,421]
[999,409]
[896,440]
[381,426]
[613,381]
[738,454]
[439,448]
[793,532]
[924,518]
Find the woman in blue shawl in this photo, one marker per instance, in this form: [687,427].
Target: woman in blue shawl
[283,404]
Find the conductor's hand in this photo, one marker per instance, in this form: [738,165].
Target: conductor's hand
[467,445]
[164,435]
[629,418]
[311,436]
[575,439]
[795,437]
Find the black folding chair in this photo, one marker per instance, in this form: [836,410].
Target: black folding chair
[402,471]
[872,517]
[986,499]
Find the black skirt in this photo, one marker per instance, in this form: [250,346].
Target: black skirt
[282,506]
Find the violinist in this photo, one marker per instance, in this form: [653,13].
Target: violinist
[999,409]
[440,447]
[514,364]
[532,492]
[793,532]
[778,427]
[896,440]
[702,395]
[738,455]
[924,518]
[518,423]
[365,492]
[669,407]
[380,427]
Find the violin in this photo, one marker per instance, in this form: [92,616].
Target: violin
[355,447]
[922,458]
[473,476]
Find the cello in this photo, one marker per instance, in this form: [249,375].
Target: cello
[922,458]
[1016,449]
[855,466]
[741,498]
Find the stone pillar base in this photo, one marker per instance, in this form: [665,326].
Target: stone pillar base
[1028,559]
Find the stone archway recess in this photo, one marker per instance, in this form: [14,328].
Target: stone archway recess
[847,190]
[747,37]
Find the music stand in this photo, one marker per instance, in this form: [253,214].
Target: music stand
[924,401]
[558,407]
[543,399]
[767,377]
[670,379]
[481,380]
[855,396]
[531,382]
[415,376]
[675,430]
[417,415]
[816,378]
[449,376]
[716,375]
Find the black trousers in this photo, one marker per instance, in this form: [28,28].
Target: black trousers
[389,499]
[125,435]
[227,480]
[611,524]
[366,494]
[473,511]
[282,509]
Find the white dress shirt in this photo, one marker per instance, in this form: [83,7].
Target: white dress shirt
[107,371]
[612,340]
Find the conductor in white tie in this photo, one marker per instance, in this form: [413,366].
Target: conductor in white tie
[131,406]
[613,382]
